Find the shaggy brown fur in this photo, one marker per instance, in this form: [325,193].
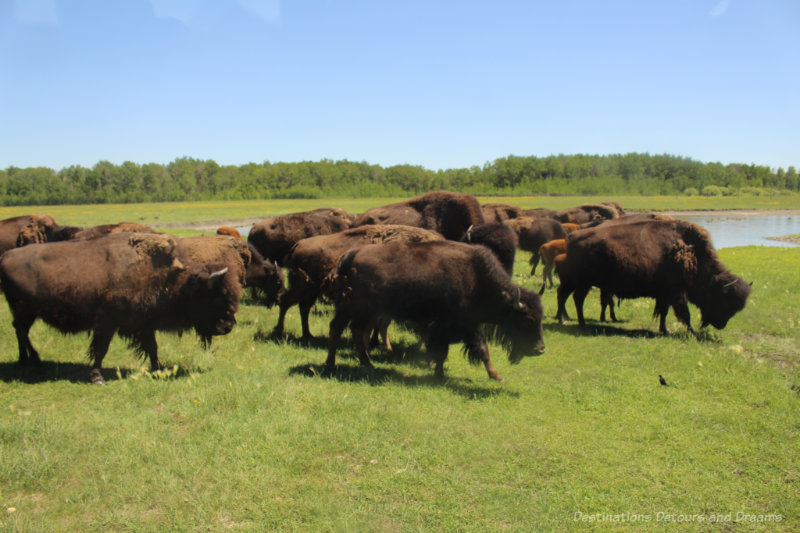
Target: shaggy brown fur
[500,212]
[534,232]
[447,290]
[313,258]
[446,212]
[25,229]
[227,230]
[273,237]
[132,284]
[217,248]
[587,212]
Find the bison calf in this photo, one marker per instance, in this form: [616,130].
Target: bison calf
[447,290]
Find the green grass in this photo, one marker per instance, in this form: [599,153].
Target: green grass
[247,436]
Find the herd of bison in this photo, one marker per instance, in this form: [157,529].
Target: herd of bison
[440,263]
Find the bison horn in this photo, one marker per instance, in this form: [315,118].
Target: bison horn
[216,276]
[729,284]
[468,236]
[517,303]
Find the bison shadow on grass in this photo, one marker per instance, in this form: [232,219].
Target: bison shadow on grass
[460,386]
[51,371]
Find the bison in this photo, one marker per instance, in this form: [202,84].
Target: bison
[500,212]
[230,231]
[588,212]
[312,259]
[74,233]
[26,229]
[534,232]
[499,238]
[671,261]
[273,237]
[263,279]
[448,213]
[447,290]
[133,284]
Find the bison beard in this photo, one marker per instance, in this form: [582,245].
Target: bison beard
[131,284]
[446,290]
[671,261]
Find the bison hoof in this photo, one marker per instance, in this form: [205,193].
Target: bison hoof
[96,377]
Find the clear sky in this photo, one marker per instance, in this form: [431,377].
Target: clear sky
[437,83]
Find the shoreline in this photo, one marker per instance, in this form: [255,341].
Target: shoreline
[212,225]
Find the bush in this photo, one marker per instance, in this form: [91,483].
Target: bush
[691,191]
[712,190]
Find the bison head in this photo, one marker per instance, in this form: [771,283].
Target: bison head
[725,296]
[212,295]
[519,330]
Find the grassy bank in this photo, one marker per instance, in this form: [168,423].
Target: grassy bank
[169,214]
[247,436]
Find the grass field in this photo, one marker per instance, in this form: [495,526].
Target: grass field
[248,436]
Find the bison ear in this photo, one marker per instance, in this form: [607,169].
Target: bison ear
[216,277]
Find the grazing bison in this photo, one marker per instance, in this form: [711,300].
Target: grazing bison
[671,261]
[499,238]
[273,237]
[446,289]
[312,259]
[130,283]
[448,213]
[264,280]
[534,232]
[216,248]
[587,213]
[26,229]
[500,212]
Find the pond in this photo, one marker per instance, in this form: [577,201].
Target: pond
[744,230]
[728,230]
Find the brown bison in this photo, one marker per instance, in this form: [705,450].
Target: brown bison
[671,261]
[26,229]
[500,212]
[264,280]
[447,290]
[133,284]
[499,238]
[73,233]
[313,258]
[589,212]
[534,232]
[273,237]
[539,212]
[448,213]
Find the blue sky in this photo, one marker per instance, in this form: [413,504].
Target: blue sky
[442,84]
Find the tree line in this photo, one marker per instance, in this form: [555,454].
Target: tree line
[186,179]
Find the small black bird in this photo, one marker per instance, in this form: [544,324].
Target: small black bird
[662,380]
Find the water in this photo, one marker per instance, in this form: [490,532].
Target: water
[729,230]
[745,230]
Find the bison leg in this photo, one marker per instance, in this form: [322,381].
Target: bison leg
[534,262]
[305,310]
[477,350]
[361,336]
[437,350]
[97,351]
[682,313]
[338,323]
[564,290]
[607,300]
[661,310]
[27,353]
[578,297]
[147,345]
